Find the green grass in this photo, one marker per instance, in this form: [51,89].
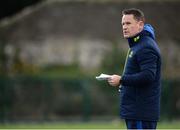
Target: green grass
[63,126]
[169,125]
[81,125]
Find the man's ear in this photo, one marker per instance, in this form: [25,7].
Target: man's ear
[141,25]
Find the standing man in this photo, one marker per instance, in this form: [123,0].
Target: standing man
[140,81]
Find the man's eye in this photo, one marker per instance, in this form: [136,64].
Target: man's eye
[128,23]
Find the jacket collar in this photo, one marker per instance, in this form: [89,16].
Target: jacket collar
[135,39]
[147,31]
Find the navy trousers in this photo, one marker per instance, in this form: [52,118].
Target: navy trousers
[140,125]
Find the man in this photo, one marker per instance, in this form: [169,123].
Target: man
[140,81]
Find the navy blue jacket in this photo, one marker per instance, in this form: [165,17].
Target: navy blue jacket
[140,83]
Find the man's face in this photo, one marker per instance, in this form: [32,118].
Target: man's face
[131,26]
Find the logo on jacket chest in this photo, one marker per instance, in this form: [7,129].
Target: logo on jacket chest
[130,54]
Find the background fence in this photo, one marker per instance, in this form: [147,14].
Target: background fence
[48,99]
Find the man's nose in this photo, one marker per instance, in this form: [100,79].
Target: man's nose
[124,28]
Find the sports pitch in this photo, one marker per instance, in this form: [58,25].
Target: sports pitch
[82,125]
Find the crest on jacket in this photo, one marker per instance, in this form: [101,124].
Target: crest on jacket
[130,54]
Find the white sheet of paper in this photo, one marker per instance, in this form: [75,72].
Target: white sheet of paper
[103,77]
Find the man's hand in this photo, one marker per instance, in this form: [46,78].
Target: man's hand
[114,80]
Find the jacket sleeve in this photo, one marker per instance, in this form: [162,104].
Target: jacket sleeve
[147,60]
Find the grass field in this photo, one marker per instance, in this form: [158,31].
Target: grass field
[81,125]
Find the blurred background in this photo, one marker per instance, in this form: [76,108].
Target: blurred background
[51,51]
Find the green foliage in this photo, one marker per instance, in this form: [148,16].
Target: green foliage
[170,100]
[2,59]
[20,67]
[66,71]
[114,62]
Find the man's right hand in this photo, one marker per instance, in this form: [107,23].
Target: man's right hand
[114,80]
